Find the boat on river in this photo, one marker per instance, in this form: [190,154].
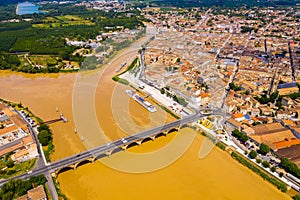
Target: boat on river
[141,100]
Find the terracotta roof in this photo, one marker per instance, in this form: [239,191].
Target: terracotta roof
[286,143]
[20,153]
[272,135]
[37,193]
[8,129]
[238,115]
[288,122]
[10,149]
[292,153]
[204,95]
[24,197]
[262,129]
[234,122]
[27,140]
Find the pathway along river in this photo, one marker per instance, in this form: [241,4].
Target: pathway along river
[217,176]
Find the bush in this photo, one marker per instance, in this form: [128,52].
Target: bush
[264,149]
[258,160]
[273,169]
[221,145]
[10,163]
[252,154]
[120,80]
[280,174]
[297,197]
[43,127]
[44,137]
[265,164]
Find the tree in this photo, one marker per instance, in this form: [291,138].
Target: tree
[264,149]
[232,86]
[38,180]
[44,137]
[290,167]
[252,154]
[240,136]
[265,164]
[258,160]
[280,174]
[8,196]
[17,187]
[297,197]
[43,127]
[273,169]
[10,163]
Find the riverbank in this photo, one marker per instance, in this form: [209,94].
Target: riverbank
[213,177]
[90,177]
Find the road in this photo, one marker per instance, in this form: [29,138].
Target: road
[41,161]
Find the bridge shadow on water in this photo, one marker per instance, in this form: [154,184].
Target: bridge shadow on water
[64,169]
[116,150]
[146,140]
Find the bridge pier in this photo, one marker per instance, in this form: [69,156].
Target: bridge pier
[108,153]
[139,142]
[152,138]
[124,147]
[74,166]
[91,160]
[165,133]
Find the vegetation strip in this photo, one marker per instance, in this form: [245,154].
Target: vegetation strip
[129,68]
[17,187]
[281,186]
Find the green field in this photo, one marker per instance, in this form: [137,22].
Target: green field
[23,61]
[62,21]
[43,59]
[17,169]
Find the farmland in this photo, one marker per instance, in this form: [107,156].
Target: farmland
[62,21]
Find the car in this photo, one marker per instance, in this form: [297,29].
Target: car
[78,155]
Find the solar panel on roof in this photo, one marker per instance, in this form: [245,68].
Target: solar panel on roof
[286,85]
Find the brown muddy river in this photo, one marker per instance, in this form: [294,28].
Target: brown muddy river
[101,111]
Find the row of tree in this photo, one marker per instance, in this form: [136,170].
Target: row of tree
[16,187]
[290,167]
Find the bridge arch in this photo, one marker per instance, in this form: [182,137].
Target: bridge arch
[64,169]
[132,144]
[83,162]
[159,135]
[108,153]
[172,130]
[99,157]
[147,139]
[184,126]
